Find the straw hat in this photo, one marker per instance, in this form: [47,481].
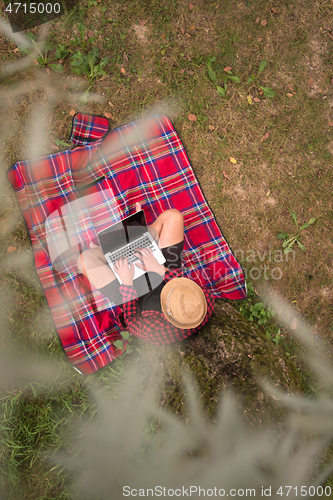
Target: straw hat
[183,303]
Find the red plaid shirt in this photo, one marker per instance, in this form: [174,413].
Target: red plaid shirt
[152,326]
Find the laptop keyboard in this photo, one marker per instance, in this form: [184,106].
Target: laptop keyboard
[129,249]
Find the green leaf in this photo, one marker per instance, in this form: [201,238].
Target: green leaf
[262,66]
[234,78]
[212,74]
[311,221]
[125,335]
[119,344]
[300,244]
[268,92]
[251,78]
[58,68]
[221,91]
[294,217]
[282,235]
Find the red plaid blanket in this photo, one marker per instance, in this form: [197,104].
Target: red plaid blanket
[67,197]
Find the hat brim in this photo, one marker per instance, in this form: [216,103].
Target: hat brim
[166,290]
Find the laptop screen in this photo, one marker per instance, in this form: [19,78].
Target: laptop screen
[123,232]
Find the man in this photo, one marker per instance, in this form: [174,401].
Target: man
[176,307]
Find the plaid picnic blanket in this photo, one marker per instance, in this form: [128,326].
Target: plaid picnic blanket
[67,197]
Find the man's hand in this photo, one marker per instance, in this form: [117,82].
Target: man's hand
[148,261]
[125,270]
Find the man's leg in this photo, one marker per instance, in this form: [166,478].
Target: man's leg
[168,228]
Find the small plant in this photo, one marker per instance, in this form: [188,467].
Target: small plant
[258,312]
[213,77]
[120,344]
[290,239]
[268,92]
[90,65]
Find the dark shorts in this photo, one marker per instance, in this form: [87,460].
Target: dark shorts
[149,285]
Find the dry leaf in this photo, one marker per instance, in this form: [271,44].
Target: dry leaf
[290,95]
[142,22]
[311,82]
[192,117]
[110,104]
[330,124]
[190,72]
[226,175]
[11,249]
[182,71]
[188,35]
[72,112]
[232,160]
[274,10]
[260,39]
[263,22]
[249,99]
[227,68]
[256,99]
[191,6]
[182,30]
[109,116]
[123,70]
[293,324]
[192,27]
[268,193]
[257,20]
[211,127]
[264,137]
[290,87]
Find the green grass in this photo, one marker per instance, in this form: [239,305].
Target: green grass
[293,164]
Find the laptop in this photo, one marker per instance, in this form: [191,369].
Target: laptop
[124,238]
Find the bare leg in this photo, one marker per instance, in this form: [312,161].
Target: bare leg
[94,266]
[168,228]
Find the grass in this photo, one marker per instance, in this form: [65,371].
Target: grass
[290,170]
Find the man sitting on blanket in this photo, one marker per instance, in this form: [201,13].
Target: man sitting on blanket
[174,309]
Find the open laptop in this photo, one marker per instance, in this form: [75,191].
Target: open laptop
[124,238]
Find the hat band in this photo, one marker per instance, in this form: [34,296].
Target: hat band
[168,310]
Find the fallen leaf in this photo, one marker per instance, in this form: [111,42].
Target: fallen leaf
[293,324]
[289,94]
[226,175]
[11,249]
[211,127]
[256,99]
[123,70]
[260,92]
[257,20]
[192,27]
[191,6]
[311,82]
[260,39]
[232,160]
[227,68]
[274,10]
[182,30]
[109,116]
[142,22]
[110,104]
[72,112]
[263,22]
[188,35]
[192,117]
[290,87]
[182,71]
[330,124]
[190,72]
[264,137]
[268,193]
[249,99]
